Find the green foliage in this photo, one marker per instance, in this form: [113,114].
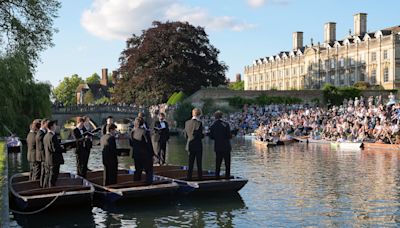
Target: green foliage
[171,98]
[93,79]
[237,85]
[183,113]
[361,85]
[88,98]
[65,92]
[21,98]
[103,100]
[335,96]
[26,26]
[168,57]
[239,102]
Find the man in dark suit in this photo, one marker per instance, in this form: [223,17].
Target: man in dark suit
[54,157]
[109,155]
[34,166]
[81,149]
[109,121]
[221,133]
[40,153]
[194,135]
[161,137]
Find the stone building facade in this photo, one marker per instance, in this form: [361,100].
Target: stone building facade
[363,56]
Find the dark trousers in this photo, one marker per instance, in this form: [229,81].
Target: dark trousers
[81,165]
[162,150]
[143,162]
[51,175]
[42,174]
[226,156]
[110,174]
[86,161]
[34,171]
[198,156]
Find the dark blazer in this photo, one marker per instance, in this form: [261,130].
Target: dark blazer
[40,153]
[221,133]
[143,146]
[79,139]
[109,153]
[163,134]
[31,144]
[194,135]
[53,150]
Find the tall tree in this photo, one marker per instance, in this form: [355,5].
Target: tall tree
[26,29]
[65,92]
[27,25]
[93,79]
[166,58]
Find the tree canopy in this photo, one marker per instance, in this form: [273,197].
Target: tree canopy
[65,92]
[237,85]
[167,58]
[93,79]
[26,29]
[27,26]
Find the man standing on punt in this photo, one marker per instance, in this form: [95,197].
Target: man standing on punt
[109,155]
[54,157]
[194,135]
[221,133]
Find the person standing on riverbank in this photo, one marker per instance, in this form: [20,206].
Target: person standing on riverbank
[194,145]
[34,170]
[54,157]
[220,132]
[109,156]
[40,152]
[161,137]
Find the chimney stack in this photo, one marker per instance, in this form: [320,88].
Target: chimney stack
[329,32]
[297,40]
[360,24]
[238,77]
[104,77]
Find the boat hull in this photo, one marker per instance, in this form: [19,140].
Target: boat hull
[126,189]
[380,146]
[209,184]
[64,196]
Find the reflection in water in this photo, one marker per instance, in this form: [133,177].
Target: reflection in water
[295,185]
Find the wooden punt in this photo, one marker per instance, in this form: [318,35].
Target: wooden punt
[208,184]
[264,143]
[70,190]
[285,142]
[347,145]
[318,141]
[127,189]
[380,146]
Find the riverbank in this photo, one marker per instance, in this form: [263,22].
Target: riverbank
[4,207]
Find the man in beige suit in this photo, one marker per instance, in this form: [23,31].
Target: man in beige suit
[194,135]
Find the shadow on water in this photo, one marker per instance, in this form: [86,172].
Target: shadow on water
[184,211]
[66,217]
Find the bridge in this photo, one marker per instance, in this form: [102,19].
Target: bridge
[97,113]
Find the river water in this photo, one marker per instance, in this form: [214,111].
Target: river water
[292,185]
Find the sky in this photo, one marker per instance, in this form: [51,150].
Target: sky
[92,33]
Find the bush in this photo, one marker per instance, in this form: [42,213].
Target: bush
[183,113]
[176,98]
[335,96]
[361,85]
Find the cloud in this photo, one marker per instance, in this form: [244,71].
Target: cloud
[256,3]
[118,19]
[259,3]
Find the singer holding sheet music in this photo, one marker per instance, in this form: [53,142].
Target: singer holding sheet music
[161,137]
[82,147]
